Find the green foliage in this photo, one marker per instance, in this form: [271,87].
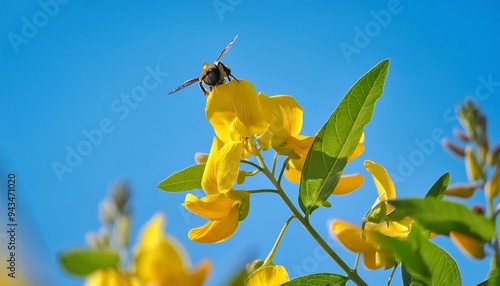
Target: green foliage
[338,138]
[184,180]
[443,216]
[423,260]
[83,261]
[318,279]
[437,190]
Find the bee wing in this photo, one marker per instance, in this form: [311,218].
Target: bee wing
[186,83]
[226,48]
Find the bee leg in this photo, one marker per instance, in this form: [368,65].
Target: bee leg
[205,91]
[230,75]
[228,72]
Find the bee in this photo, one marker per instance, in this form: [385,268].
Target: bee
[211,75]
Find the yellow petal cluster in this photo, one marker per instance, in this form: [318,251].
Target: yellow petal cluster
[271,275]
[222,205]
[235,113]
[158,260]
[365,240]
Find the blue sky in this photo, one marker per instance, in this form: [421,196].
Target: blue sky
[68,68]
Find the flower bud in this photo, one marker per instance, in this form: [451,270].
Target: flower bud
[474,171]
[93,240]
[461,135]
[200,158]
[107,211]
[122,230]
[460,190]
[493,154]
[478,209]
[254,265]
[455,149]
[492,186]
[120,195]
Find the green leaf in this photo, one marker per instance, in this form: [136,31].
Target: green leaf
[425,262]
[437,190]
[338,138]
[318,279]
[83,261]
[184,180]
[443,216]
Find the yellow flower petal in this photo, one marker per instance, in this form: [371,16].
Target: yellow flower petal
[236,99]
[468,244]
[350,236]
[159,260]
[111,277]
[213,207]
[273,275]
[283,113]
[209,178]
[229,162]
[383,182]
[293,169]
[221,170]
[216,230]
[348,183]
[360,148]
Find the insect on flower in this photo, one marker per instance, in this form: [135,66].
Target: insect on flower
[211,75]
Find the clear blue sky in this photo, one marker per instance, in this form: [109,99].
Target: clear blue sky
[67,69]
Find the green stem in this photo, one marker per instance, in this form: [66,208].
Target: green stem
[392,275]
[352,274]
[275,160]
[252,164]
[278,240]
[262,191]
[283,170]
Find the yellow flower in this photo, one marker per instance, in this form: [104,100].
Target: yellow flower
[160,260]
[284,115]
[235,113]
[223,206]
[347,183]
[351,236]
[271,275]
[111,277]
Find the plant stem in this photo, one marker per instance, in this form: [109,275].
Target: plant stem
[352,274]
[273,250]
[392,275]
[262,191]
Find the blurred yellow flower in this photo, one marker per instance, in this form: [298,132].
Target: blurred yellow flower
[271,275]
[468,244]
[223,206]
[111,277]
[160,260]
[365,241]
[235,113]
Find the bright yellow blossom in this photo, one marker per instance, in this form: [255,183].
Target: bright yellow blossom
[235,113]
[223,206]
[271,275]
[111,277]
[160,260]
[365,241]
